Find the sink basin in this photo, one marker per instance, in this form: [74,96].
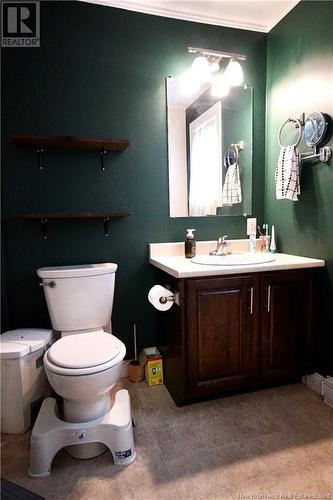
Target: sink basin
[234,259]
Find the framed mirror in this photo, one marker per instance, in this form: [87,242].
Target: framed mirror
[315,128]
[209,151]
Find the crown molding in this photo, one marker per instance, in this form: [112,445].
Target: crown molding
[173,13]
[282,15]
[147,7]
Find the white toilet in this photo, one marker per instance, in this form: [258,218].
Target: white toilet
[82,367]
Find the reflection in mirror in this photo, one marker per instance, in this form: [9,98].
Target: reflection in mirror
[315,128]
[205,191]
[210,151]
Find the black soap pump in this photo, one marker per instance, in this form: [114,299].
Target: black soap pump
[190,244]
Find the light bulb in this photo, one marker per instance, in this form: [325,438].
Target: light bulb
[200,69]
[214,66]
[200,63]
[220,87]
[234,73]
[188,85]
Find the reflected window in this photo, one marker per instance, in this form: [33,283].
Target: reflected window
[205,193]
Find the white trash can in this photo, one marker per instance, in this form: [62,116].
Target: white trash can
[23,380]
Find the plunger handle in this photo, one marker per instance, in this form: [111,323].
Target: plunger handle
[135,349]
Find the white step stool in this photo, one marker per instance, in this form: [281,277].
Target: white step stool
[50,434]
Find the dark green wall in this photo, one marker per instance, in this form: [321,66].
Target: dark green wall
[300,79]
[100,72]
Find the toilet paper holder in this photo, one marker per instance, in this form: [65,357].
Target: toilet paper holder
[172,298]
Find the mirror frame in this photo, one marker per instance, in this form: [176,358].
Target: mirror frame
[241,144]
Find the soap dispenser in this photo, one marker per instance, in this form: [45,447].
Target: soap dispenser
[190,245]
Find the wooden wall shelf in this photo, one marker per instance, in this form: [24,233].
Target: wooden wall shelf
[64,142]
[76,215]
[44,217]
[104,146]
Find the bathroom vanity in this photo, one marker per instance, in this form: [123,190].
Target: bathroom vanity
[236,328]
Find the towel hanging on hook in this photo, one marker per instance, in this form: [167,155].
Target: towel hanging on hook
[232,189]
[324,154]
[287,182]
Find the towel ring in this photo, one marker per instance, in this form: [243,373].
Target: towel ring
[233,147]
[297,125]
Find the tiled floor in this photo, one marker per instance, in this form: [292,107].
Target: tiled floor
[271,444]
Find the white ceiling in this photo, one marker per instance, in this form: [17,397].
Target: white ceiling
[258,15]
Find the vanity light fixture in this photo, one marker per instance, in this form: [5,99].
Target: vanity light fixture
[201,69]
[208,61]
[234,73]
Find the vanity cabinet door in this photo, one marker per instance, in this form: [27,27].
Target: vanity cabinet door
[286,325]
[221,335]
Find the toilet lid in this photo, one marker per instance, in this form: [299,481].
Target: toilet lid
[84,350]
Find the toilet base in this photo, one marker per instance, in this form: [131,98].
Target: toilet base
[50,434]
[86,450]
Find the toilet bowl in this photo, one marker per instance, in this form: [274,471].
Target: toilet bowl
[82,369]
[82,366]
[84,376]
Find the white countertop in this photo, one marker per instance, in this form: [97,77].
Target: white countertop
[169,257]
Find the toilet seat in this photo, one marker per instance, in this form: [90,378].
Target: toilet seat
[84,353]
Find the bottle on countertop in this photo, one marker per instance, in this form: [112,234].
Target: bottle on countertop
[264,238]
[253,242]
[251,231]
[273,245]
[267,238]
[190,245]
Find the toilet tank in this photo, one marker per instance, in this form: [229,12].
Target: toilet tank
[79,297]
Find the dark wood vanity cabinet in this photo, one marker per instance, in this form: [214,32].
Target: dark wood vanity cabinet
[287,325]
[236,333]
[221,334]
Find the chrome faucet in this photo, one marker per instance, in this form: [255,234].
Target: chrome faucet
[222,246]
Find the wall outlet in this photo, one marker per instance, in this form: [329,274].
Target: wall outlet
[251,226]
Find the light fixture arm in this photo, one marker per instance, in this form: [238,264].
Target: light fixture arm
[215,53]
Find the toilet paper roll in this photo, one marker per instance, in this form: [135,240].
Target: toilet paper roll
[154,295]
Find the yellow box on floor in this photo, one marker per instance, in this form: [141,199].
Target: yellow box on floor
[152,359]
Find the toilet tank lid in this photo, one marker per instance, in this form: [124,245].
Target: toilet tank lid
[18,343]
[77,271]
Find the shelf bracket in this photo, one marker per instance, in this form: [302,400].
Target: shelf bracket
[106,222]
[40,151]
[103,155]
[44,228]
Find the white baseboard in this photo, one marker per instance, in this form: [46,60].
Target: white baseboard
[328,391]
[321,385]
[314,382]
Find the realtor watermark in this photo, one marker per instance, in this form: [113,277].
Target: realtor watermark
[20,24]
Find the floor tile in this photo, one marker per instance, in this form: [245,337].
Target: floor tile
[271,442]
[198,476]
